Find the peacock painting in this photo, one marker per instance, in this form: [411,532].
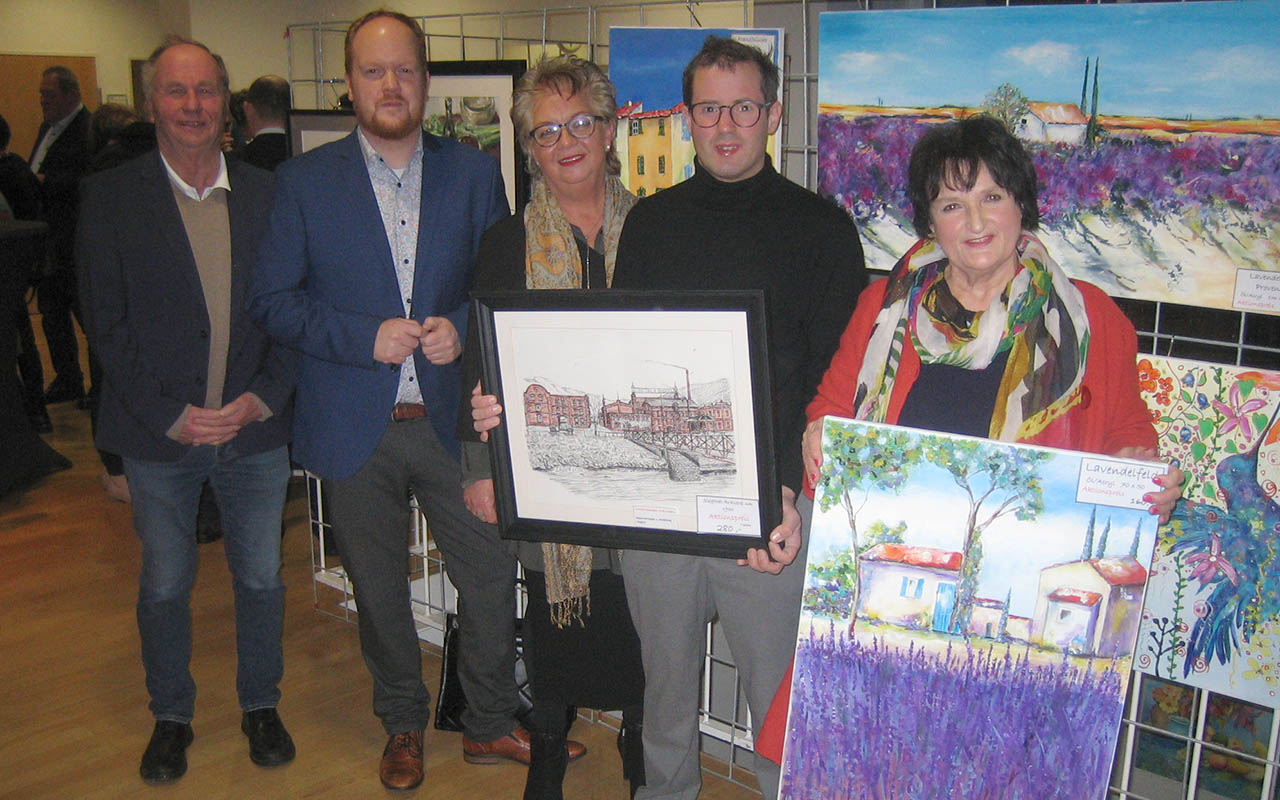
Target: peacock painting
[1212,616]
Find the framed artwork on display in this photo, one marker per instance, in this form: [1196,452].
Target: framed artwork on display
[632,419]
[310,128]
[470,101]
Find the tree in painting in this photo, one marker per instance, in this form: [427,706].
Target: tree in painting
[1009,480]
[1007,104]
[859,461]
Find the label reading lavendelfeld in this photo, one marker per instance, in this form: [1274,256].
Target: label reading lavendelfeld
[1116,483]
[1257,290]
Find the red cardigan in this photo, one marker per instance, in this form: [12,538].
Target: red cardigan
[1110,415]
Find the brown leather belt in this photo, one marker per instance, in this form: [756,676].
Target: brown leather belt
[406,411]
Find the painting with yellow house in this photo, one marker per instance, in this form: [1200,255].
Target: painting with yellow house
[646,65]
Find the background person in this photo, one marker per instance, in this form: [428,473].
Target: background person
[266,112]
[996,341]
[580,645]
[59,159]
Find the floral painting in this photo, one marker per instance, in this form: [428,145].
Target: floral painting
[1212,618]
[968,620]
[1155,183]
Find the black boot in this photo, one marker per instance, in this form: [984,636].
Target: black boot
[631,748]
[548,759]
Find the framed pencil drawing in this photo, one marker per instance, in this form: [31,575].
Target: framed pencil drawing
[632,419]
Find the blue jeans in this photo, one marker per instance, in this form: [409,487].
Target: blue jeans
[250,492]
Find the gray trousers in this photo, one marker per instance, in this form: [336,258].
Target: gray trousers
[672,598]
[371,525]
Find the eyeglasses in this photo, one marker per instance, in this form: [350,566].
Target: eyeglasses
[580,127]
[744,113]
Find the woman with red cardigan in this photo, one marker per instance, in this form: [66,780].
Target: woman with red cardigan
[977,331]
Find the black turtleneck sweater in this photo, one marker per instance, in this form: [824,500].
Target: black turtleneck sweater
[767,233]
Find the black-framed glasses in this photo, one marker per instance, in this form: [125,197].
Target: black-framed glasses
[744,113]
[580,127]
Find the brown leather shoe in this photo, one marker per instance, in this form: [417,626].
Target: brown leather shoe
[401,766]
[512,747]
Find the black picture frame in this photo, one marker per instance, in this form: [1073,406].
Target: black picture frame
[496,79]
[309,128]
[624,476]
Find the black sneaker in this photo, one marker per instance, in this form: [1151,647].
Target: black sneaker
[269,743]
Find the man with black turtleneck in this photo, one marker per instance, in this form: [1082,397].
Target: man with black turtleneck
[736,224]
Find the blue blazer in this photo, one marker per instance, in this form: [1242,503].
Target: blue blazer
[146,314]
[325,282]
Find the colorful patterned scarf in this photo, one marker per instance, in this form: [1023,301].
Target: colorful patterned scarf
[1039,319]
[552,262]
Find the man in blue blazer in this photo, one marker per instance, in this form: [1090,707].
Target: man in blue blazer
[365,271]
[193,391]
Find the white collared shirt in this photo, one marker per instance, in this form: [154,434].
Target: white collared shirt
[219,182]
[269,129]
[51,136]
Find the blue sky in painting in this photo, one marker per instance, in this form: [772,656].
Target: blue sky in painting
[1206,60]
[1014,552]
[646,64]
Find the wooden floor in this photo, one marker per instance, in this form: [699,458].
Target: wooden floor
[73,708]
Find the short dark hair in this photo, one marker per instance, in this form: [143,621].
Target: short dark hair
[718,51]
[952,155]
[67,83]
[5,133]
[404,19]
[269,95]
[173,40]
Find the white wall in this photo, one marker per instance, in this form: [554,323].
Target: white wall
[249,34]
[113,32]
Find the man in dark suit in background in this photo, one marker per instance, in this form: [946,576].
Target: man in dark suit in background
[59,159]
[21,194]
[365,270]
[266,110]
[193,391]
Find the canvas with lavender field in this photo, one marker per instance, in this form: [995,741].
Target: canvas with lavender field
[1154,129]
[969,618]
[1213,615]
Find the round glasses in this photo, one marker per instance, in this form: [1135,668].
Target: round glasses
[744,113]
[580,127]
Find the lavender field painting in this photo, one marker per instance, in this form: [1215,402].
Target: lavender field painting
[968,621]
[1155,182]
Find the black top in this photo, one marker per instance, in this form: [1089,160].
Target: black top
[19,186]
[265,151]
[953,399]
[766,233]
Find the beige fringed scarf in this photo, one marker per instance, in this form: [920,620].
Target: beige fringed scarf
[551,262]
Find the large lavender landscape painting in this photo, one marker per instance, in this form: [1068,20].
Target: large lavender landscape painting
[1154,128]
[968,621]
